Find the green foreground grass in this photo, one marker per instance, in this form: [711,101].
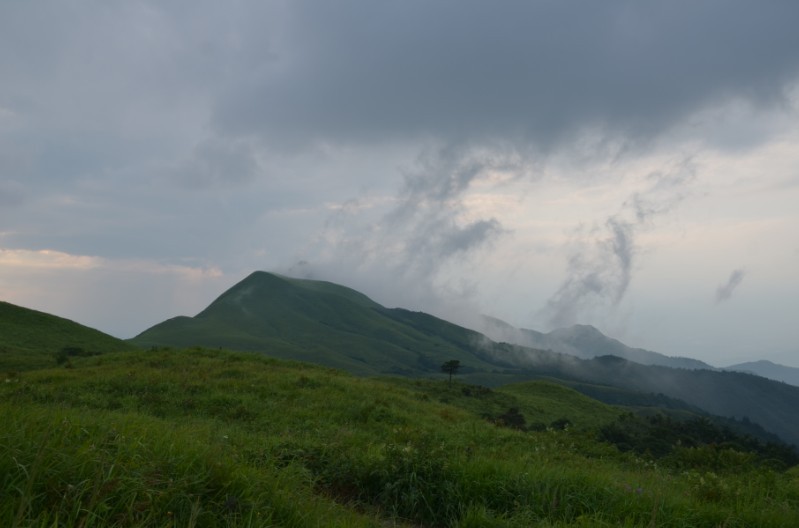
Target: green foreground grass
[210,438]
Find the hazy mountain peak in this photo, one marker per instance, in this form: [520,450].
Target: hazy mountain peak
[581,340]
[582,331]
[768,369]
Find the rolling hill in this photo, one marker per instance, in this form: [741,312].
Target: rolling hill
[210,437]
[335,326]
[31,339]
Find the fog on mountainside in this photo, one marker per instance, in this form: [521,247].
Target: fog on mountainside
[583,341]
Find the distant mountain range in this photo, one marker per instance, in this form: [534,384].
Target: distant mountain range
[582,341]
[769,370]
[332,325]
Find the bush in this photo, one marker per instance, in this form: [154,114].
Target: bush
[512,418]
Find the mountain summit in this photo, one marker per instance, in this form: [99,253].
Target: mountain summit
[323,323]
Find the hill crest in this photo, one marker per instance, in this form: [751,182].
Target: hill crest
[30,338]
[334,326]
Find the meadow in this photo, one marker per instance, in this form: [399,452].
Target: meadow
[205,438]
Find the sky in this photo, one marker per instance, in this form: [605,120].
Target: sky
[632,165]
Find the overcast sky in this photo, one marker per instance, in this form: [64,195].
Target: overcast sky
[632,165]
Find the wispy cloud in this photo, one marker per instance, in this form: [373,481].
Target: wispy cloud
[425,229]
[724,291]
[602,259]
[45,259]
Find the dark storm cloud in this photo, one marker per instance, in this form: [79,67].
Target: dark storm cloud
[358,71]
[725,291]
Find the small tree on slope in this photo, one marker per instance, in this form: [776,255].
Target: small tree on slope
[451,367]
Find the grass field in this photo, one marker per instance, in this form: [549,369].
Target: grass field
[211,438]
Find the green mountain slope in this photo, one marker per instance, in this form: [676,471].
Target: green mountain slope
[210,438]
[31,339]
[326,324]
[332,325]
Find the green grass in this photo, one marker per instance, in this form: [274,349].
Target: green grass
[323,323]
[540,402]
[30,339]
[211,438]
[327,324]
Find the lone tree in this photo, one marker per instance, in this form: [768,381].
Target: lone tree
[451,367]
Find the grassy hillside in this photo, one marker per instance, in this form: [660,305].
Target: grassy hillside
[32,339]
[212,438]
[323,323]
[331,325]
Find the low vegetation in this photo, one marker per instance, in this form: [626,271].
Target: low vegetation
[31,339]
[209,438]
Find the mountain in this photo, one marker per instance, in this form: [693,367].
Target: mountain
[769,370]
[745,397]
[583,341]
[327,324]
[331,325]
[250,440]
[31,339]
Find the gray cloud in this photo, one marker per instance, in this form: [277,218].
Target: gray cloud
[425,230]
[536,72]
[104,107]
[599,272]
[725,291]
[216,162]
[601,262]
[427,225]
[11,193]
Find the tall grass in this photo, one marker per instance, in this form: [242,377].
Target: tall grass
[209,438]
[93,468]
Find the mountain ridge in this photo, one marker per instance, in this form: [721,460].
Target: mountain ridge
[321,322]
[31,338]
[583,341]
[768,369]
[329,324]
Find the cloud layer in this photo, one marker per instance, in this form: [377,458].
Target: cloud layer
[543,161]
[537,72]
